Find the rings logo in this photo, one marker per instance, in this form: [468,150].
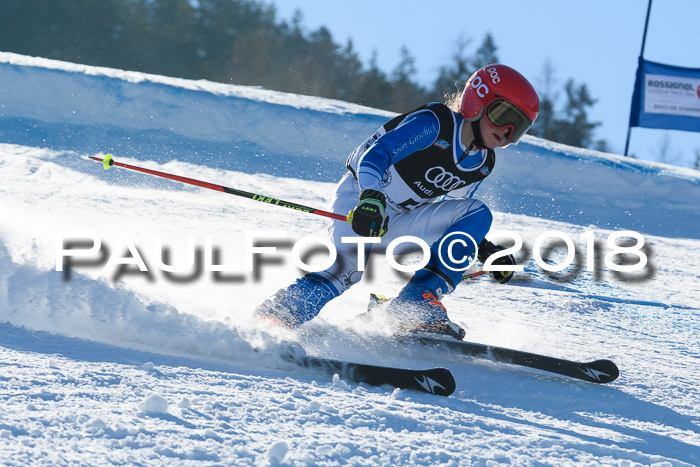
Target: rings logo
[443,180]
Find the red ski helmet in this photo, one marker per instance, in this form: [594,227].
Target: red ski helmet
[504,96]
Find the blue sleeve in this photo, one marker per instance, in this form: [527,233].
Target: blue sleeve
[417,132]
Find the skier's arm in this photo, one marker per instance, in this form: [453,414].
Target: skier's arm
[417,132]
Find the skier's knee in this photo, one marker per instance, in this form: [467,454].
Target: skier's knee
[452,252]
[341,280]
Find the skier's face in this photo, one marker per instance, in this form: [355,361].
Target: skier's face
[493,137]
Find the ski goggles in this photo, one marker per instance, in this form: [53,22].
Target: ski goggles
[503,114]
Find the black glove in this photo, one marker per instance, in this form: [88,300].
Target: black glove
[487,249]
[369,217]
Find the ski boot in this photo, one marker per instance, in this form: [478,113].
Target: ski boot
[423,313]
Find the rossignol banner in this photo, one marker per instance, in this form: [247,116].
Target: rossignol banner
[666,97]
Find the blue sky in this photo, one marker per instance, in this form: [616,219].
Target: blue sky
[594,42]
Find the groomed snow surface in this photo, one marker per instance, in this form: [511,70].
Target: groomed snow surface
[109,365]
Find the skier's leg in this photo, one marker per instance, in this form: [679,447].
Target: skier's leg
[304,299]
[419,300]
[447,258]
[298,302]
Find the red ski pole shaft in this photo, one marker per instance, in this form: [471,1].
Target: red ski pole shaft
[474,275]
[108,162]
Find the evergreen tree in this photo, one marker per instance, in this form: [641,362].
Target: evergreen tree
[372,87]
[664,152]
[485,54]
[452,77]
[571,124]
[573,127]
[170,36]
[241,42]
[543,126]
[406,93]
[601,145]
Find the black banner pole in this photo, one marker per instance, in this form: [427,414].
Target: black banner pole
[641,60]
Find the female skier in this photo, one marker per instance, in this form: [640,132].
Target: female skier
[416,175]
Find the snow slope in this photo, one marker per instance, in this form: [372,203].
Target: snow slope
[111,365]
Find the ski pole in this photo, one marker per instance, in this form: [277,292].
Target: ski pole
[108,162]
[474,275]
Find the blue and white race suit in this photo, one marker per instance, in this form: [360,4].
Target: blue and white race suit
[429,177]
[418,158]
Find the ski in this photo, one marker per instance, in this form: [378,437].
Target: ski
[438,381]
[596,371]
